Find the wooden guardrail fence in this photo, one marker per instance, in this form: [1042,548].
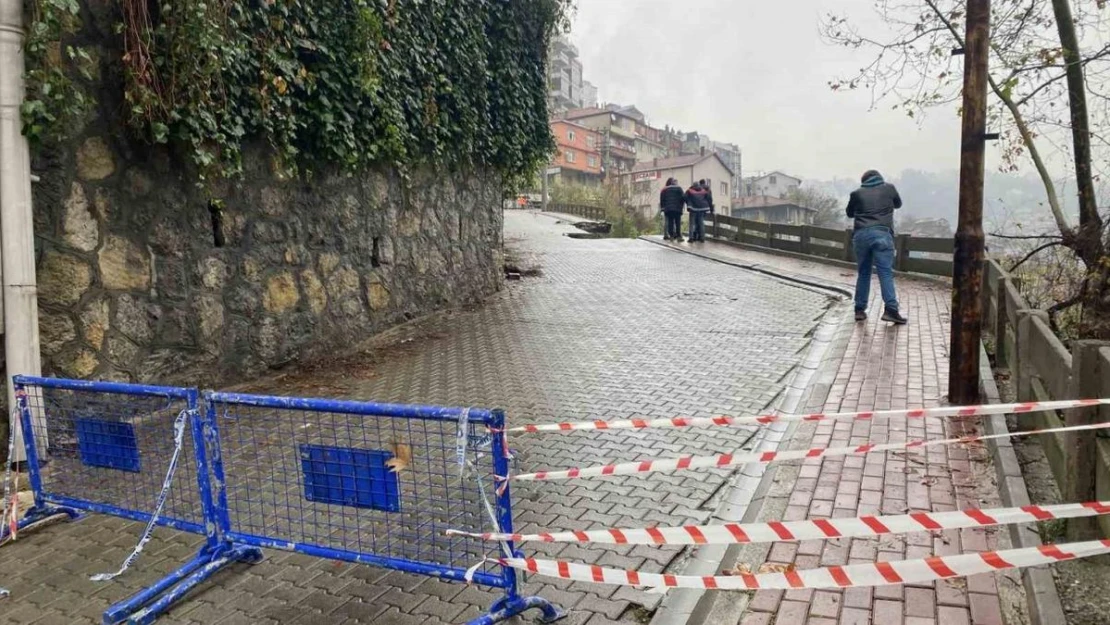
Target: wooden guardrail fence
[1042,367]
[834,244]
[584,211]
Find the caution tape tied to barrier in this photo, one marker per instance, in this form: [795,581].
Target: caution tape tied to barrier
[724,421]
[737,459]
[850,576]
[179,425]
[816,529]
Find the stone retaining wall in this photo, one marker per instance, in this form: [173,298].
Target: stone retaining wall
[145,277]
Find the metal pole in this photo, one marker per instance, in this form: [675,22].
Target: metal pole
[967,276]
[543,191]
[17,245]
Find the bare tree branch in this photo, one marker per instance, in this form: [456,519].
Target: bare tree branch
[1059,307]
[1033,253]
[1023,128]
[1101,54]
[1025,237]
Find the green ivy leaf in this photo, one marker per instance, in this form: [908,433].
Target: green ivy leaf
[357,83]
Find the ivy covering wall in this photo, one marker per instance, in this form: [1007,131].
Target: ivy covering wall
[352,83]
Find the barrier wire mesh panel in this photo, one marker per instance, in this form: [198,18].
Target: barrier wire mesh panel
[357,484]
[108,452]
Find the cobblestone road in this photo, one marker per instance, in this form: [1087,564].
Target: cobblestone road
[614,328]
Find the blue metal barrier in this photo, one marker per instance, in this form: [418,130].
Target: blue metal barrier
[314,476]
[105,448]
[369,483]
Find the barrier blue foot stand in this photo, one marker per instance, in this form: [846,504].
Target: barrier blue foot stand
[177,584]
[507,607]
[38,514]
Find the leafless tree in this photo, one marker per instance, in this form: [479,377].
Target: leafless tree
[1045,60]
[830,212]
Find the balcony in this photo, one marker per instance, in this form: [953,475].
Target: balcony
[622,153]
[621,132]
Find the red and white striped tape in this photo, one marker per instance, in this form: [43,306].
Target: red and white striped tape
[735,459]
[818,529]
[851,576]
[684,422]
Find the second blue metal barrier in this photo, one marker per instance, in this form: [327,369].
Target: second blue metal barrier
[371,483]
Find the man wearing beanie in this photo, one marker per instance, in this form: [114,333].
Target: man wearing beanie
[872,208]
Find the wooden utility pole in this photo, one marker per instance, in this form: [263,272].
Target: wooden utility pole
[967,273]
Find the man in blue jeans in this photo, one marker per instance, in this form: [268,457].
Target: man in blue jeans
[699,201]
[872,208]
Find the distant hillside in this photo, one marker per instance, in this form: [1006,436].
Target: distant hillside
[1012,202]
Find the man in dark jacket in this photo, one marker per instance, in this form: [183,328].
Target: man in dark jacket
[872,208]
[671,202]
[699,201]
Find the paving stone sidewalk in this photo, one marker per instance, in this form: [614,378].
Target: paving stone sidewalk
[883,367]
[613,329]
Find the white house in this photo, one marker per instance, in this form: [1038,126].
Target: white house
[647,179]
[773,184]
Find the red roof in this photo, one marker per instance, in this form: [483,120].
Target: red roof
[590,112]
[575,124]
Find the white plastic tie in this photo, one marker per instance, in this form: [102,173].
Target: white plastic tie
[462,440]
[472,571]
[10,514]
[492,514]
[178,439]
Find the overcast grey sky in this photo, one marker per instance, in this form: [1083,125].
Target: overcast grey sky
[755,73]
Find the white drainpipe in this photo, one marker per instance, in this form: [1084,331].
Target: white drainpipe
[17,243]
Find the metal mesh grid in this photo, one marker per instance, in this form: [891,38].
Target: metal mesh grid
[112,450]
[262,451]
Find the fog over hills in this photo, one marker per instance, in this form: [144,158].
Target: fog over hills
[1012,203]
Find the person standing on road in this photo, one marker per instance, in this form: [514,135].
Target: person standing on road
[872,208]
[671,201]
[699,201]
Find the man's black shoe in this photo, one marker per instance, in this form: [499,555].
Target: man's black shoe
[861,315]
[893,316]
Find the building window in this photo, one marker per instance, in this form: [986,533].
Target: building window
[642,187]
[592,160]
[724,189]
[570,136]
[590,141]
[774,180]
[569,156]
